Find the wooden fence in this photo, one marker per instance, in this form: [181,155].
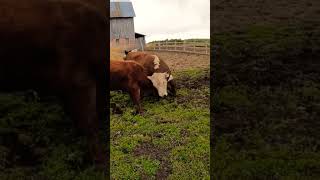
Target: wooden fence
[178,46]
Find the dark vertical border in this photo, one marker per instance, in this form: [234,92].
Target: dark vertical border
[103,87]
[107,98]
[108,89]
[212,61]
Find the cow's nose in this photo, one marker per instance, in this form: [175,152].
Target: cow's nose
[163,95]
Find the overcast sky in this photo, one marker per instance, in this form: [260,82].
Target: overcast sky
[162,19]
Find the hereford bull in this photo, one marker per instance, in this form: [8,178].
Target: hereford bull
[157,71]
[58,47]
[131,77]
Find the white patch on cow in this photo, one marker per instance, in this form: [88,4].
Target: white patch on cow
[170,78]
[159,81]
[156,62]
[135,50]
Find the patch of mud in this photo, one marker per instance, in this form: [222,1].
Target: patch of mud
[233,16]
[194,83]
[196,86]
[116,109]
[160,154]
[184,133]
[199,99]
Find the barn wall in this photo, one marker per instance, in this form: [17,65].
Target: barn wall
[123,43]
[140,43]
[121,28]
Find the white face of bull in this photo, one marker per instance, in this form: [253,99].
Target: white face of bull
[160,82]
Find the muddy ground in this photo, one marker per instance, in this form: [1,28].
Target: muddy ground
[182,61]
[236,15]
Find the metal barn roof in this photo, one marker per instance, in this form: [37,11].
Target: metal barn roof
[121,9]
[137,35]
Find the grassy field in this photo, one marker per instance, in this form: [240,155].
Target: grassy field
[267,89]
[38,141]
[266,103]
[171,140]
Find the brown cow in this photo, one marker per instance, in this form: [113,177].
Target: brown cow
[129,76]
[58,47]
[157,71]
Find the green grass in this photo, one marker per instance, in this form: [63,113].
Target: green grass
[170,140]
[266,103]
[38,141]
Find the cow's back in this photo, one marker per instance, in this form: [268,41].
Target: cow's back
[123,73]
[149,62]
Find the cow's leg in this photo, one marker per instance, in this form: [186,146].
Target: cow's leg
[135,96]
[84,111]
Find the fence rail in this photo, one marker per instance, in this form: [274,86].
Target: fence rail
[178,46]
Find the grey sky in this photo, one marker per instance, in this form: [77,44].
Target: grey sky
[162,19]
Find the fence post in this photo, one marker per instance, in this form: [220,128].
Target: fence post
[184,46]
[206,48]
[194,46]
[167,45]
[175,45]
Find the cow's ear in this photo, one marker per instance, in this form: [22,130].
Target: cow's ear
[126,52]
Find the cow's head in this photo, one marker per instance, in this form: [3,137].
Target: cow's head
[127,52]
[160,82]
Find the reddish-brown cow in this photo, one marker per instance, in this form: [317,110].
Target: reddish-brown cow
[157,71]
[58,47]
[129,76]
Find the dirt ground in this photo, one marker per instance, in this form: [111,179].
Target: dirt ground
[183,61]
[231,16]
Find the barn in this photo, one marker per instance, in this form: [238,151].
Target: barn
[122,32]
